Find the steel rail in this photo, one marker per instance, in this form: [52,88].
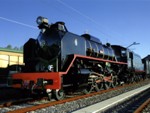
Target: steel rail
[140,108]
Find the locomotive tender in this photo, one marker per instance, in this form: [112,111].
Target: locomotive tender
[59,61]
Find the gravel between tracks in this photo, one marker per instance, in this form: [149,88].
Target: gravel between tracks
[130,104]
[147,109]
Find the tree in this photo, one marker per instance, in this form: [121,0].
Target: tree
[16,48]
[21,48]
[9,47]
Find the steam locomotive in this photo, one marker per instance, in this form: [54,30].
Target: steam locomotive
[58,62]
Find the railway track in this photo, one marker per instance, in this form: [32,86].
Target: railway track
[9,103]
[70,103]
[144,108]
[132,103]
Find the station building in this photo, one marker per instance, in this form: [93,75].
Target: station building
[10,57]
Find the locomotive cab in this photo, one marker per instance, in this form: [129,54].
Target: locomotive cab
[125,55]
[120,52]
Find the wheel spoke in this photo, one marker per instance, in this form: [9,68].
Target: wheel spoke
[97,88]
[100,85]
[114,82]
[106,85]
[59,94]
[88,89]
[91,87]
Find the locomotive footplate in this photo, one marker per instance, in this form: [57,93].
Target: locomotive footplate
[50,80]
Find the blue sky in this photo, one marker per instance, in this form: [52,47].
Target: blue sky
[120,22]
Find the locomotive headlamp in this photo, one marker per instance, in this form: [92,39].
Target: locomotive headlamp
[50,67]
[41,20]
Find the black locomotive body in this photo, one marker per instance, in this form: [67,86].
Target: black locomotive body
[56,43]
[125,55]
[135,67]
[146,62]
[59,60]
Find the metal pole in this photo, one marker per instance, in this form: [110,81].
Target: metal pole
[134,43]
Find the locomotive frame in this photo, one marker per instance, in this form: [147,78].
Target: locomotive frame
[52,81]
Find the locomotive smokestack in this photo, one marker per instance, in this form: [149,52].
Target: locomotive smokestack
[42,22]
